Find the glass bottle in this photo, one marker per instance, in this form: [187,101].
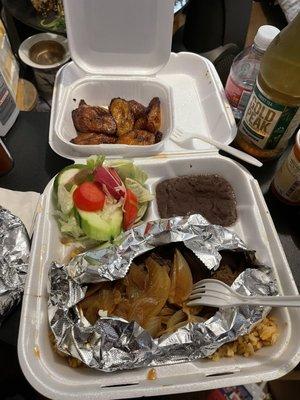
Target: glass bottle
[273,111]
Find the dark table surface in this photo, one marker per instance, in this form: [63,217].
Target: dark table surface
[35,164]
[24,12]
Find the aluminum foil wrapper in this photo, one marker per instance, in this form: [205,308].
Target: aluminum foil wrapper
[114,344]
[14,256]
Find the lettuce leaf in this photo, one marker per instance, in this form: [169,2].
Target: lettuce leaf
[94,161]
[65,198]
[68,225]
[127,169]
[142,208]
[143,195]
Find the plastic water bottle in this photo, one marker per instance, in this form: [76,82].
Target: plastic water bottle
[245,68]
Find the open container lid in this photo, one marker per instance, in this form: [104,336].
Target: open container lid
[119,37]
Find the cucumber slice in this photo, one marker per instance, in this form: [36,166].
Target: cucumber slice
[66,174]
[101,225]
[64,195]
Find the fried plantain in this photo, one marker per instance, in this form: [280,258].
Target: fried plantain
[103,110]
[151,120]
[121,112]
[158,136]
[137,109]
[93,119]
[154,115]
[141,123]
[86,138]
[137,137]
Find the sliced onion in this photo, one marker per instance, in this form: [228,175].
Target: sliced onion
[111,182]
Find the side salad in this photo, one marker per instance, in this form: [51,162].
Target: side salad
[98,200]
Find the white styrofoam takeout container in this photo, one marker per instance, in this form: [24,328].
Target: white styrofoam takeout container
[135,66]
[113,55]
[199,105]
[50,374]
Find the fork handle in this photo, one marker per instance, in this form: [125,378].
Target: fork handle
[181,137]
[272,301]
[231,150]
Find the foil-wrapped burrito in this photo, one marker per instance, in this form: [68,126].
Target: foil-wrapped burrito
[14,256]
[112,343]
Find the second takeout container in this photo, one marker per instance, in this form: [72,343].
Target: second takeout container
[111,60]
[199,105]
[119,61]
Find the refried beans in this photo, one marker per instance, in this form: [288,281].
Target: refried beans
[209,195]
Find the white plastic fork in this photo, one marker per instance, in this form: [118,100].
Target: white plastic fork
[214,293]
[181,137]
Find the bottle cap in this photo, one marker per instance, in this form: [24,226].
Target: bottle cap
[264,36]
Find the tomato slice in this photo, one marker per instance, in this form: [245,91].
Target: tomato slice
[89,197]
[130,209]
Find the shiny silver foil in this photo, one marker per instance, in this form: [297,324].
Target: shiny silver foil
[115,344]
[14,256]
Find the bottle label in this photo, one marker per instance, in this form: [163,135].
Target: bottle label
[266,123]
[237,95]
[287,179]
[7,104]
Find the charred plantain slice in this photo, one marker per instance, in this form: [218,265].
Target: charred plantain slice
[120,110]
[93,119]
[86,138]
[99,109]
[158,136]
[137,109]
[141,123]
[82,103]
[154,115]
[137,137]
[107,124]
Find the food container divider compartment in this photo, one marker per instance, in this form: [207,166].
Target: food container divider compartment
[51,375]
[205,82]
[100,91]
[198,97]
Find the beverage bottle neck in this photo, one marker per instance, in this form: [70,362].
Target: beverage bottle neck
[257,51]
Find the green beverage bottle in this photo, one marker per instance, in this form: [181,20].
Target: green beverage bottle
[273,112]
